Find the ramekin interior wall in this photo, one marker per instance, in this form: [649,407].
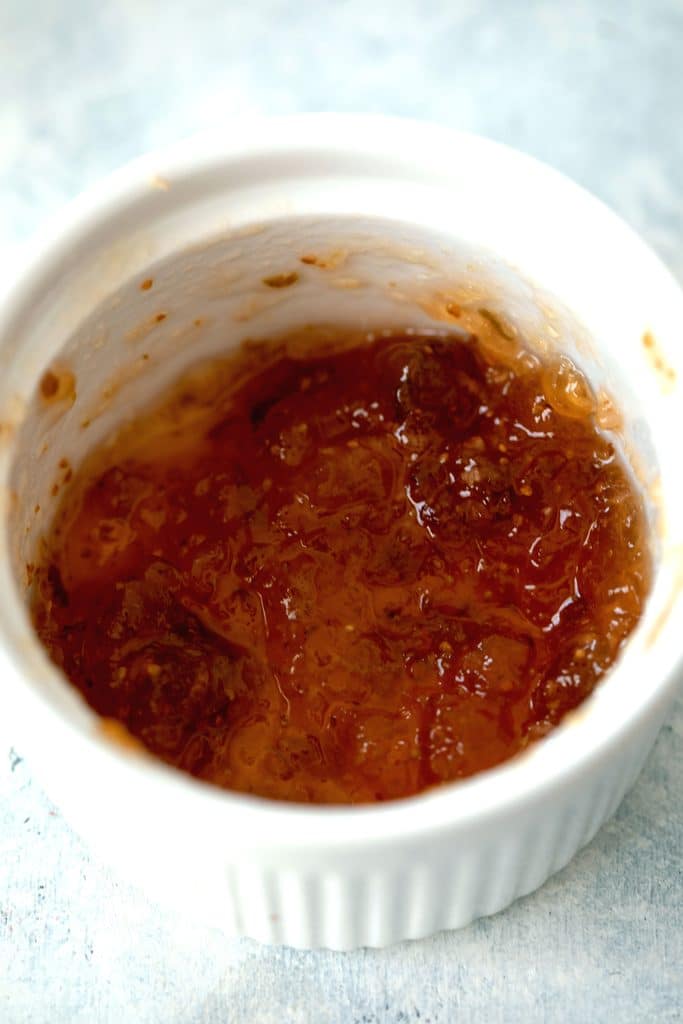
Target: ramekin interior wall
[207,298]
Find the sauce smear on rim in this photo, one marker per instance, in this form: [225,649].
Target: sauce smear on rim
[351,571]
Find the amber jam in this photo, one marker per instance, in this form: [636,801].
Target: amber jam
[345,569]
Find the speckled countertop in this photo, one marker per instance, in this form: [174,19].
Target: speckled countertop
[594,88]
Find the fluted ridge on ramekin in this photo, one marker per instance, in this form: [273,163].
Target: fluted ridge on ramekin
[339,909]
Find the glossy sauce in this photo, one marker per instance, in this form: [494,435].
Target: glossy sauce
[347,572]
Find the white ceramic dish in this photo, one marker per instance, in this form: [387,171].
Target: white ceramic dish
[404,213]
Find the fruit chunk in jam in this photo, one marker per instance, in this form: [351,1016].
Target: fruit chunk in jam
[349,572]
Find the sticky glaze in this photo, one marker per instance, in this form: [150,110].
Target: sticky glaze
[351,572]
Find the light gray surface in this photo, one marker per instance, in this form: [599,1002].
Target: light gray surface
[595,89]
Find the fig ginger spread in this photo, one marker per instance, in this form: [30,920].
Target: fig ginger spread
[341,568]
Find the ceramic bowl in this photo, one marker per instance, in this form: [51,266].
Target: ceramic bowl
[400,216]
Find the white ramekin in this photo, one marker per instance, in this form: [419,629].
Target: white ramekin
[405,215]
